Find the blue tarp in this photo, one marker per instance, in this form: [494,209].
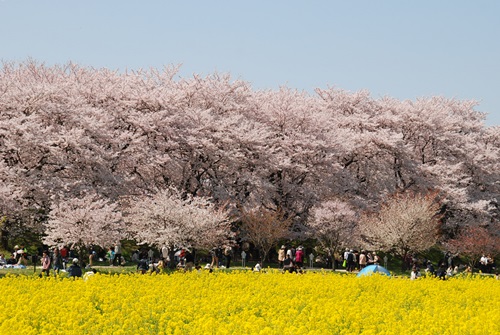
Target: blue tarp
[13,266]
[371,269]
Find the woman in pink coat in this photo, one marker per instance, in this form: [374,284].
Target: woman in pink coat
[299,257]
[45,263]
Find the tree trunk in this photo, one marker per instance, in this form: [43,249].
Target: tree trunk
[334,250]
[264,256]
[4,239]
[404,254]
[4,234]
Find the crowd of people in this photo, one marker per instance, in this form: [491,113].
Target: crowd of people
[57,261]
[18,258]
[358,261]
[443,272]
[52,260]
[487,264]
[290,259]
[147,261]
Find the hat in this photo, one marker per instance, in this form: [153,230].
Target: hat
[282,247]
[75,260]
[16,247]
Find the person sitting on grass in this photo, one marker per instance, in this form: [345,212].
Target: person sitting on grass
[160,266]
[89,274]
[75,270]
[189,261]
[12,260]
[288,265]
[415,273]
[258,267]
[441,272]
[22,260]
[142,265]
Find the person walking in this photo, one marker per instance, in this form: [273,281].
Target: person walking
[281,256]
[215,258]
[110,255]
[45,264]
[117,260]
[362,259]
[289,253]
[64,255]
[92,257]
[299,257]
[165,255]
[227,254]
[57,262]
[350,261]
[344,256]
[189,261]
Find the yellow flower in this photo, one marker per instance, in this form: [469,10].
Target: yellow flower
[248,303]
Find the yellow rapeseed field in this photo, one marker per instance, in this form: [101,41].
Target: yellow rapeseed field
[248,303]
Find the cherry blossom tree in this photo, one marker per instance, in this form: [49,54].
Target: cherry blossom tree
[84,222]
[175,220]
[7,213]
[19,218]
[67,129]
[472,242]
[406,222]
[334,224]
[264,228]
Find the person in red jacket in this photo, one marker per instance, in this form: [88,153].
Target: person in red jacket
[299,257]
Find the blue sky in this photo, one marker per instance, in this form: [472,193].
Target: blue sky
[402,49]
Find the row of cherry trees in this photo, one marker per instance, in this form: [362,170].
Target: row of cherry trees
[71,136]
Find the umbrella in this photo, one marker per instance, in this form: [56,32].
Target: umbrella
[371,269]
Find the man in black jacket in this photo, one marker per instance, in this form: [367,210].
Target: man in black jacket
[75,270]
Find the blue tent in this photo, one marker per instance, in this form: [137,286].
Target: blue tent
[371,269]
